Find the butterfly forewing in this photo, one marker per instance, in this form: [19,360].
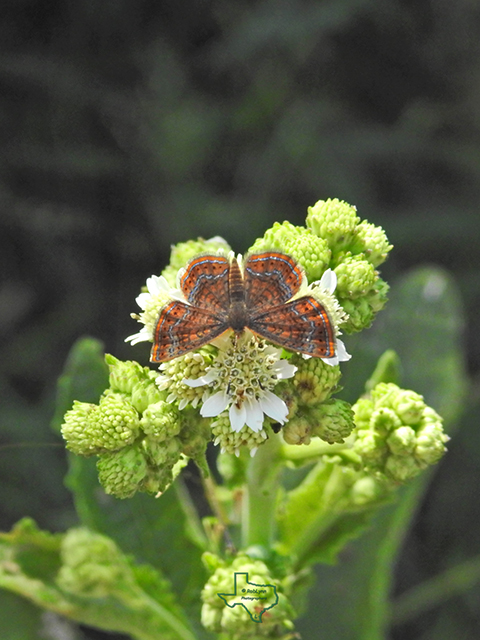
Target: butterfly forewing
[182,328]
[299,325]
[204,283]
[271,279]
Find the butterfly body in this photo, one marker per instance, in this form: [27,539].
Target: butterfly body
[219,296]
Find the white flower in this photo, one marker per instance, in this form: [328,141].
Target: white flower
[241,379]
[158,293]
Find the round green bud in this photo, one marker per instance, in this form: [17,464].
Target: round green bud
[145,393]
[335,221]
[310,251]
[363,410]
[402,468]
[190,366]
[76,428]
[160,421]
[123,375]
[314,380]
[430,443]
[333,421]
[355,277]
[92,565]
[402,441]
[121,473]
[409,406]
[372,242]
[362,310]
[298,430]
[116,423]
[384,420]
[372,449]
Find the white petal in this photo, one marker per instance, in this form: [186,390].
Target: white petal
[142,336]
[200,382]
[214,405]
[182,404]
[253,451]
[274,407]
[284,369]
[254,417]
[329,280]
[237,417]
[342,354]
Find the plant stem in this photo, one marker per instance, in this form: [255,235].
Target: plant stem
[260,496]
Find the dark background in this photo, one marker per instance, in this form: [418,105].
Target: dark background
[126,126]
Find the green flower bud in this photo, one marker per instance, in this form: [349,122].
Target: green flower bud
[298,430]
[93,566]
[371,448]
[430,444]
[160,421]
[363,410]
[333,421]
[384,419]
[310,251]
[145,393]
[314,380]
[409,406]
[217,616]
[231,441]
[76,428]
[183,252]
[115,423]
[123,375]
[402,468]
[372,242]
[335,221]
[355,277]
[361,311]
[402,441]
[403,435]
[121,473]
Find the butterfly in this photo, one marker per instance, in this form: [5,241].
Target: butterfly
[220,296]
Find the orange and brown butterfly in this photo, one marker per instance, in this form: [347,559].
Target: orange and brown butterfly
[265,294]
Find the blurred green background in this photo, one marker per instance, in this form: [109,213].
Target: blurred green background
[127,126]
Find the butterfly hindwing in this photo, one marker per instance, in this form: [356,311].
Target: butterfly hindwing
[271,279]
[299,325]
[182,328]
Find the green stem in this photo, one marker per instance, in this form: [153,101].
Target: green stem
[433,592]
[260,496]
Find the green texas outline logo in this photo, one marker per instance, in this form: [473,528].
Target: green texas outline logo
[256,599]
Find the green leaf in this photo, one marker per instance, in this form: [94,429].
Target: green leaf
[138,603]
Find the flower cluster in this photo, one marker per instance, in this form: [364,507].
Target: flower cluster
[141,440]
[397,434]
[221,612]
[240,387]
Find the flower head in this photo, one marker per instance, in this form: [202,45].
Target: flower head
[242,379]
